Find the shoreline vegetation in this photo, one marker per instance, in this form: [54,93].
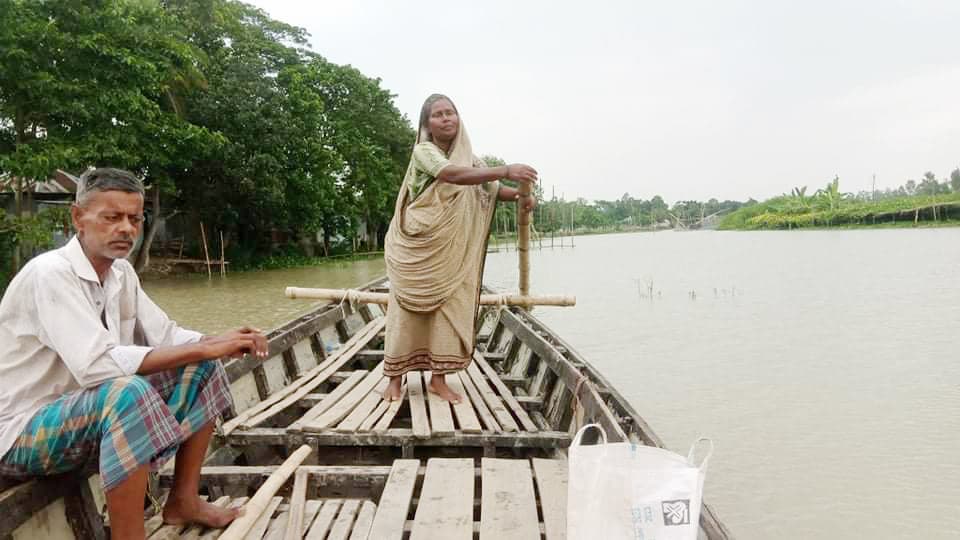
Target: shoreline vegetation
[930,203]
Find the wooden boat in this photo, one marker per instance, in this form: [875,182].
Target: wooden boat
[492,467]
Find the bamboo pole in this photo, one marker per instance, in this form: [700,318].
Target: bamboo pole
[523,240]
[298,499]
[364,297]
[223,257]
[258,503]
[206,253]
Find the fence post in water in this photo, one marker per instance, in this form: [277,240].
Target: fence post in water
[223,257]
[206,253]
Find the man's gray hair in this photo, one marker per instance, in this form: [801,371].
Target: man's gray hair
[106,179]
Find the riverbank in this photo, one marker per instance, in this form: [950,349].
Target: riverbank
[799,212]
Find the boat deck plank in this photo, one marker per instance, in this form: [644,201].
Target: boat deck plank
[391,514]
[464,410]
[343,407]
[505,393]
[441,419]
[489,421]
[445,509]
[330,399]
[551,475]
[418,405]
[361,528]
[508,506]
[325,516]
[344,522]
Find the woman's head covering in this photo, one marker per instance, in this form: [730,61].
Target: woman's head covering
[461,151]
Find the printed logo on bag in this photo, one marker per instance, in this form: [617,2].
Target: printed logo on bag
[676,512]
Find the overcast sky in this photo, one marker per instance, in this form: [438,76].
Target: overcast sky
[688,100]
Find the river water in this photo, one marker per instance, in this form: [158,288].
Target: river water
[823,364]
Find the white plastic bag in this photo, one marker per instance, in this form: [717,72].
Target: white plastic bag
[630,491]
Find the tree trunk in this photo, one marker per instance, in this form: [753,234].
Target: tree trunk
[143,255]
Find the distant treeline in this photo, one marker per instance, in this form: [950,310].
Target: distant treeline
[929,200]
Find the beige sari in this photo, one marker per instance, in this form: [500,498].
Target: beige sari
[434,250]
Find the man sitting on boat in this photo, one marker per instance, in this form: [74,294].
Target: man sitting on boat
[92,369]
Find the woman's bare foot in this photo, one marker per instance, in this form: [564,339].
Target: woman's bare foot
[394,392]
[180,511]
[438,385]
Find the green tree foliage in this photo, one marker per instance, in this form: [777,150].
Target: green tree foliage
[222,108]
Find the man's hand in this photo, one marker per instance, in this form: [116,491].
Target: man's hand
[235,343]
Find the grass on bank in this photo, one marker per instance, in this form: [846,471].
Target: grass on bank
[790,212]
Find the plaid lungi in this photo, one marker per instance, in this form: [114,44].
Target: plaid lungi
[123,423]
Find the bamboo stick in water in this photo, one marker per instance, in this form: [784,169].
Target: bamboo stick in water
[258,503]
[364,297]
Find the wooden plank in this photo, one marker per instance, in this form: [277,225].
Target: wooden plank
[260,526]
[505,393]
[503,416]
[466,418]
[364,409]
[418,405]
[325,517]
[399,437]
[19,502]
[361,528]
[394,504]
[477,400]
[310,510]
[302,386]
[331,399]
[344,405]
[375,416]
[278,526]
[551,477]
[298,502]
[446,501]
[394,406]
[441,421]
[508,506]
[344,522]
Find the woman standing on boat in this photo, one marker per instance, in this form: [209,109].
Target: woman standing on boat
[435,249]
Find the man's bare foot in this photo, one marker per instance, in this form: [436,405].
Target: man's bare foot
[394,392]
[181,511]
[438,385]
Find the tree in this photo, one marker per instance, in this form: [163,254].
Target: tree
[955,180]
[930,186]
[84,84]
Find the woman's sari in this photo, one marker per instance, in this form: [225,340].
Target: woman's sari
[434,250]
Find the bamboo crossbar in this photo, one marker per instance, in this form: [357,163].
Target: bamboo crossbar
[258,503]
[364,297]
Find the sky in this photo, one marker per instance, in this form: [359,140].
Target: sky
[688,100]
